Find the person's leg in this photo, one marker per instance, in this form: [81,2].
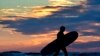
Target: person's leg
[43,55]
[56,53]
[65,51]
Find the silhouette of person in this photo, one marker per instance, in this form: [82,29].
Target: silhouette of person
[60,37]
[60,43]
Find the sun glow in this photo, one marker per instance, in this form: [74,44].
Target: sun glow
[40,12]
[67,2]
[60,2]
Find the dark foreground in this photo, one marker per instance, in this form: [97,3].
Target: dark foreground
[17,53]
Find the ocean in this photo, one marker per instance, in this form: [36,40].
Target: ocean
[74,54]
[17,53]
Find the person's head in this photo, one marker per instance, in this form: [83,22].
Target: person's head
[62,28]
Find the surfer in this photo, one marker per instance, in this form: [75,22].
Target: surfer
[60,43]
[60,37]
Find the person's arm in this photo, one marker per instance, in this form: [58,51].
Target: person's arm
[58,35]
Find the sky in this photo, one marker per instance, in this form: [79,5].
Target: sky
[32,25]
[21,3]
[15,3]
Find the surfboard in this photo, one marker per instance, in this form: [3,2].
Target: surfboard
[58,44]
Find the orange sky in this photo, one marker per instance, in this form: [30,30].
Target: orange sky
[11,40]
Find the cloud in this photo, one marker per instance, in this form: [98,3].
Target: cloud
[68,16]
[34,29]
[61,3]
[39,12]
[90,46]
[93,2]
